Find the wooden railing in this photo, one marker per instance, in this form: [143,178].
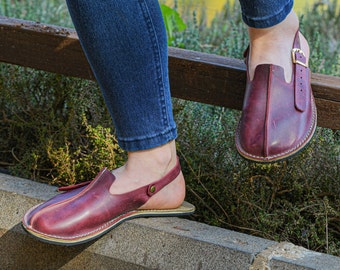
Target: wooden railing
[194,76]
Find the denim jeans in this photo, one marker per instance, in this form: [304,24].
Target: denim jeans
[265,13]
[125,43]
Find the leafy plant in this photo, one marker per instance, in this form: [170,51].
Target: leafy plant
[173,22]
[99,149]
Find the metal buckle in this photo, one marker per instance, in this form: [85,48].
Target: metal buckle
[295,61]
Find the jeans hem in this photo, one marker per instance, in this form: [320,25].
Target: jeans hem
[145,143]
[268,21]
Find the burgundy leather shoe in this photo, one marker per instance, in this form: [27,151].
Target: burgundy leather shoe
[278,118]
[87,211]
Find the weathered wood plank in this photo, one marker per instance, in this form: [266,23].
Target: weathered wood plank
[207,78]
[194,76]
[50,48]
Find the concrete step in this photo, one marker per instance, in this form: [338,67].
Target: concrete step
[144,243]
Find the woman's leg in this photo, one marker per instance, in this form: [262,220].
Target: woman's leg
[126,45]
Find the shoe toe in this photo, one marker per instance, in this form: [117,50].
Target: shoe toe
[271,127]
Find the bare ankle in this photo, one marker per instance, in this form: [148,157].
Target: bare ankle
[163,157]
[287,27]
[273,45]
[144,167]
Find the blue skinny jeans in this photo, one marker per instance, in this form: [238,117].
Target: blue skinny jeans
[125,43]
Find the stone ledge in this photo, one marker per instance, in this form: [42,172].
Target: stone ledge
[145,243]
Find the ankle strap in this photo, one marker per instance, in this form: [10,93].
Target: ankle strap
[156,186]
[301,75]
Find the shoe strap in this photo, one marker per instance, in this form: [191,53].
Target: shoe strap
[75,186]
[156,186]
[301,75]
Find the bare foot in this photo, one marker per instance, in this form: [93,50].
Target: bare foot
[144,167]
[273,45]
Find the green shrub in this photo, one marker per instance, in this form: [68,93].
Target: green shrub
[98,149]
[296,200]
[43,115]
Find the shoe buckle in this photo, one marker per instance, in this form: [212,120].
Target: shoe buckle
[296,61]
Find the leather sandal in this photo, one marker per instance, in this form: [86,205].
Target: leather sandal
[87,211]
[278,118]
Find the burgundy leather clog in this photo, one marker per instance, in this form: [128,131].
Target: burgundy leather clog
[87,211]
[278,118]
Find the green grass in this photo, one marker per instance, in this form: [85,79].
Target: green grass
[54,129]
